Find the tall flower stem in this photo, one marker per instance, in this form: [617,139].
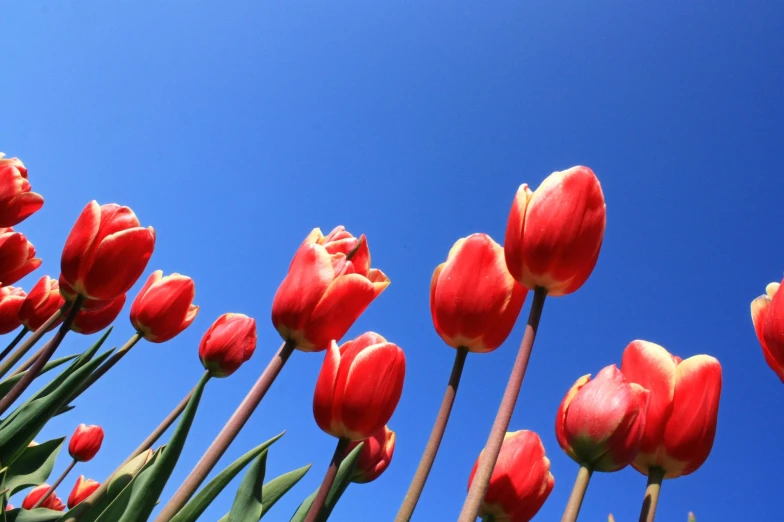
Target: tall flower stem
[56,484]
[429,456]
[107,365]
[228,433]
[329,479]
[476,493]
[30,360]
[651,500]
[39,363]
[13,343]
[578,494]
[30,341]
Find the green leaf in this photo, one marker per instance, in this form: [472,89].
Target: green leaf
[36,515]
[193,509]
[136,502]
[247,502]
[33,466]
[342,480]
[275,489]
[7,384]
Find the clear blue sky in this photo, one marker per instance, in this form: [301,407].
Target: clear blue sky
[236,127]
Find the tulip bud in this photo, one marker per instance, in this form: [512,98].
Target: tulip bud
[52,501]
[17,202]
[683,408]
[328,286]
[375,456]
[230,341]
[521,480]
[126,473]
[600,422]
[11,299]
[474,300]
[41,303]
[85,442]
[554,234]
[105,253]
[9,507]
[17,256]
[767,314]
[359,386]
[81,491]
[94,316]
[164,307]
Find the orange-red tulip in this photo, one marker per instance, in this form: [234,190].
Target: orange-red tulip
[52,501]
[17,203]
[11,299]
[521,480]
[164,307]
[81,491]
[680,424]
[94,316]
[43,300]
[17,256]
[767,313]
[375,456]
[328,286]
[474,300]
[230,341]
[359,386]
[105,253]
[600,422]
[554,234]
[85,442]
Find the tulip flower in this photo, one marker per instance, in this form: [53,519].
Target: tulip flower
[521,480]
[105,253]
[94,316]
[375,456]
[164,307]
[85,442]
[11,299]
[328,286]
[554,234]
[41,303]
[81,491]
[229,342]
[9,507]
[682,411]
[52,501]
[17,202]
[359,386]
[767,314]
[17,256]
[474,300]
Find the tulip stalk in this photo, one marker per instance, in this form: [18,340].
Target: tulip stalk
[329,479]
[30,341]
[578,494]
[478,489]
[652,491]
[429,456]
[14,342]
[56,484]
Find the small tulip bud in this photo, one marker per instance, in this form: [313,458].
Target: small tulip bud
[85,442]
[375,456]
[41,303]
[81,491]
[230,341]
[164,307]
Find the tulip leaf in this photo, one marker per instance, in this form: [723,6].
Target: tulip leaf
[342,480]
[193,509]
[275,489]
[35,515]
[136,502]
[247,502]
[33,466]
[9,383]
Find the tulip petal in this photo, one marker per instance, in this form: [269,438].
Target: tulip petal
[80,244]
[560,418]
[118,262]
[759,312]
[323,397]
[513,240]
[773,330]
[433,289]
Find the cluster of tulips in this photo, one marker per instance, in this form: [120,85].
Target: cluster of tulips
[657,412]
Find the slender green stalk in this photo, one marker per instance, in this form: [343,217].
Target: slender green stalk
[652,491]
[56,484]
[329,479]
[30,341]
[578,494]
[13,343]
[30,360]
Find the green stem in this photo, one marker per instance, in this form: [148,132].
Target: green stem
[13,343]
[329,479]
[56,484]
[578,494]
[652,491]
[106,366]
[30,341]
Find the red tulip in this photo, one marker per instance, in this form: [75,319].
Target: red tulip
[9,507]
[81,491]
[359,386]
[600,422]
[105,253]
[164,307]
[85,442]
[230,341]
[51,502]
[680,424]
[474,300]
[17,256]
[11,299]
[41,303]
[375,456]
[767,314]
[94,316]
[328,286]
[17,203]
[554,234]
[521,480]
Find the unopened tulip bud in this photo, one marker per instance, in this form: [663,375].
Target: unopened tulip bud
[85,442]
[375,456]
[52,501]
[81,491]
[127,472]
[41,303]
[11,299]
[600,422]
[95,316]
[17,201]
[17,256]
[164,307]
[767,314]
[230,341]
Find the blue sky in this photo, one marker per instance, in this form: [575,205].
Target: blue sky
[236,127]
